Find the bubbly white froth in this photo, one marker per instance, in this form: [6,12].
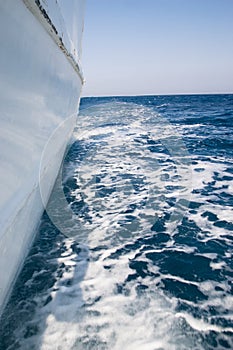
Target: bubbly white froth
[99,309]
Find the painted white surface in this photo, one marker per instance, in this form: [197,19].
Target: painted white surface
[74,22]
[67,17]
[39,91]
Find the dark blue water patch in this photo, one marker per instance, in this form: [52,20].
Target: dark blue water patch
[206,191]
[168,162]
[215,341]
[104,191]
[229,170]
[130,217]
[185,291]
[130,209]
[210,216]
[68,189]
[78,206]
[172,188]
[211,146]
[121,288]
[199,170]
[171,201]
[216,143]
[152,142]
[39,274]
[140,267]
[189,266]
[222,198]
[147,242]
[127,221]
[126,249]
[208,120]
[224,224]
[226,178]
[99,138]
[225,120]
[210,340]
[187,231]
[165,177]
[159,225]
[156,146]
[77,151]
[223,115]
[141,288]
[216,246]
[217,176]
[137,183]
[157,240]
[139,140]
[158,149]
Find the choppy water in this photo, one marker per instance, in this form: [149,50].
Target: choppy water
[145,261]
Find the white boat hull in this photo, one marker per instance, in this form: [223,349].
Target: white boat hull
[39,93]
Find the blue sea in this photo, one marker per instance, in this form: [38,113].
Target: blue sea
[135,249]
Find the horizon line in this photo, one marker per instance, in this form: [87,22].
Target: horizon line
[162,94]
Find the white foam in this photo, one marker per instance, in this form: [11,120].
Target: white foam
[202,326]
[121,321]
[217,265]
[99,309]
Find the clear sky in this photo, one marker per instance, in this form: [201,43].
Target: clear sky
[138,47]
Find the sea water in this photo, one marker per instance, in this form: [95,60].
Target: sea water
[135,249]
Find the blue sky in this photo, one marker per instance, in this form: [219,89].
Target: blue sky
[138,47]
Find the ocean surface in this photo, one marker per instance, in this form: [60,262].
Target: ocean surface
[135,249]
